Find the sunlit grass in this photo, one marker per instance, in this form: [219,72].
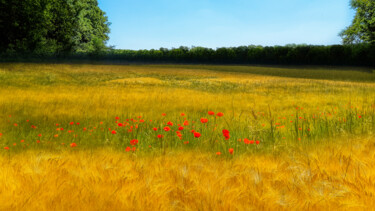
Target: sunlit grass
[297,115]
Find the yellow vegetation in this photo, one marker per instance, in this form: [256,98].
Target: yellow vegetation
[334,176]
[332,173]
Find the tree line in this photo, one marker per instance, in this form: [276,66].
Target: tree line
[78,29]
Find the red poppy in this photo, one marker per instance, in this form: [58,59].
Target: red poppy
[71,123]
[180,128]
[170,123]
[117,118]
[251,141]
[226,134]
[166,129]
[15,124]
[257,142]
[134,142]
[37,141]
[133,149]
[155,129]
[73,145]
[1,134]
[246,141]
[203,120]
[197,135]
[160,136]
[219,114]
[218,153]
[77,123]
[186,123]
[22,141]
[163,114]
[39,135]
[211,113]
[127,149]
[6,148]
[186,142]
[231,150]
[182,114]
[120,124]
[114,132]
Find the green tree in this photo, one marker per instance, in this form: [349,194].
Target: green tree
[362,28]
[52,26]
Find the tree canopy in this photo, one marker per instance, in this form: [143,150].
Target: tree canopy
[362,28]
[52,26]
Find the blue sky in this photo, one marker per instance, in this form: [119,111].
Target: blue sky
[141,24]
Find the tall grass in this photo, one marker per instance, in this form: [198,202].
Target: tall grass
[314,131]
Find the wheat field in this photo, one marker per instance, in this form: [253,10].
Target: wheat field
[185,137]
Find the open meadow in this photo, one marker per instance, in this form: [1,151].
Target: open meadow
[186,137]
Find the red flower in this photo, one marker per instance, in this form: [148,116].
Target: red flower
[257,142]
[114,132]
[38,141]
[134,142]
[211,113]
[1,134]
[73,145]
[117,118]
[218,153]
[231,151]
[71,123]
[39,135]
[359,116]
[6,148]
[77,123]
[180,128]
[226,134]
[251,141]
[22,141]
[133,149]
[219,114]
[186,123]
[197,135]
[247,141]
[170,123]
[127,149]
[160,136]
[155,129]
[163,114]
[182,114]
[120,124]
[166,129]
[203,120]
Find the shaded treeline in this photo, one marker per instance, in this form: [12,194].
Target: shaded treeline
[354,55]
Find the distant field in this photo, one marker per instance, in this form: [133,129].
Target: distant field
[282,134]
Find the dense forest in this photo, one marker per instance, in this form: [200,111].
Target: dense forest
[79,30]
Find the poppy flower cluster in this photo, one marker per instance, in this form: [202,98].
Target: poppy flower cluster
[226,134]
[134,142]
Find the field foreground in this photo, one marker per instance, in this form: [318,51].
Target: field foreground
[339,176]
[112,137]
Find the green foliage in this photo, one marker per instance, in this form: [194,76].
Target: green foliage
[354,55]
[363,25]
[50,27]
